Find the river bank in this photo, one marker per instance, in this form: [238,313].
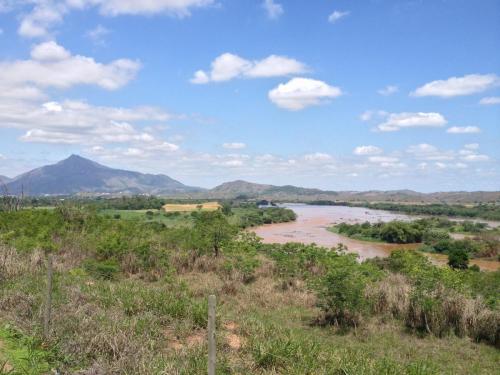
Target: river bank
[313,221]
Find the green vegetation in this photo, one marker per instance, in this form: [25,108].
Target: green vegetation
[434,233]
[130,294]
[248,215]
[483,211]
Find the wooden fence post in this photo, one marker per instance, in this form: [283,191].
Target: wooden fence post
[211,335]
[48,300]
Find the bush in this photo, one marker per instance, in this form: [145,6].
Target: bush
[341,293]
[106,269]
[458,258]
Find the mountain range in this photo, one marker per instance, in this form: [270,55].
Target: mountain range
[78,175]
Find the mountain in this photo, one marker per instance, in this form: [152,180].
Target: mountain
[289,193]
[4,179]
[239,187]
[252,190]
[79,175]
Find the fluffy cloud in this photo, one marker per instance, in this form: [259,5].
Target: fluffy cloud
[179,8]
[273,10]
[492,100]
[43,16]
[229,66]
[48,13]
[388,90]
[337,15]
[234,145]
[367,150]
[458,86]
[299,93]
[425,151]
[74,122]
[463,130]
[318,157]
[53,66]
[398,121]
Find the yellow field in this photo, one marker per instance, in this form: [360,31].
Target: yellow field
[208,206]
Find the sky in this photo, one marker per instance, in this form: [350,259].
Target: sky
[331,94]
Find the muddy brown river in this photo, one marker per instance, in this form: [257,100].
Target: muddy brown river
[312,223]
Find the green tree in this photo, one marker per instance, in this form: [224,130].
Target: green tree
[458,258]
[212,231]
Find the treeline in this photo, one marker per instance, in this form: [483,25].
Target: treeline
[433,233]
[483,211]
[408,231]
[250,215]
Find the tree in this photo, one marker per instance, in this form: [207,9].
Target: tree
[227,209]
[458,258]
[212,231]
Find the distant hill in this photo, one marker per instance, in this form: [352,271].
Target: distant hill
[291,193]
[4,179]
[76,175]
[234,188]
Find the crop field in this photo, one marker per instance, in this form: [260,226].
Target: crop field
[208,206]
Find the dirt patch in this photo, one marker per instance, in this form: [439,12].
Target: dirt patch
[176,343]
[230,326]
[234,341]
[196,339]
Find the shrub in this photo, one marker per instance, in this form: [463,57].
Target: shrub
[105,269]
[341,293]
[458,258]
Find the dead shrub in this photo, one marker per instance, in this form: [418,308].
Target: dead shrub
[390,296]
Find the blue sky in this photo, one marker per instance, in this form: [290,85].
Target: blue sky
[342,95]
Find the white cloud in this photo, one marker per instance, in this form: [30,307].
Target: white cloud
[49,51]
[337,15]
[318,157]
[383,159]
[97,35]
[179,8]
[234,145]
[48,13]
[475,157]
[73,122]
[368,115]
[200,77]
[229,66]
[299,93]
[388,90]
[43,16]
[52,107]
[273,10]
[472,146]
[398,121]
[367,150]
[425,151]
[53,66]
[463,130]
[492,100]
[458,86]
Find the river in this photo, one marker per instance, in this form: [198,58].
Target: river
[312,223]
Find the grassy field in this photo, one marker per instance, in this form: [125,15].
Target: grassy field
[131,298]
[208,206]
[169,219]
